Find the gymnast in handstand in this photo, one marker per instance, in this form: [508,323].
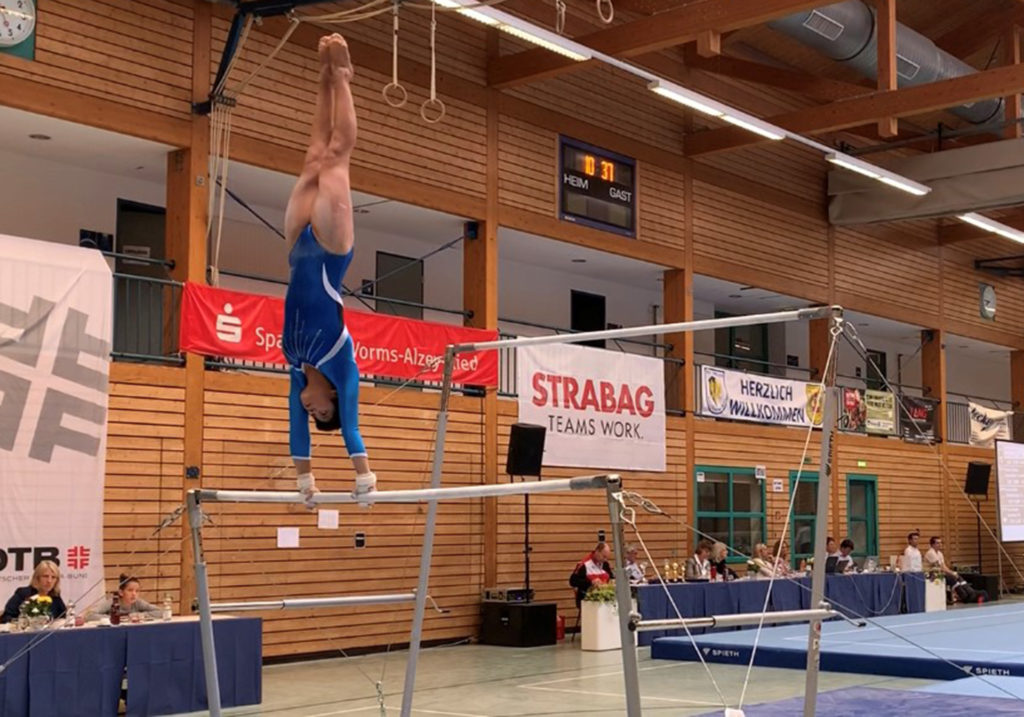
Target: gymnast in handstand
[320,234]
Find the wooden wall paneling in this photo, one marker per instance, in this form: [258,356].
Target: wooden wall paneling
[661,212]
[527,166]
[141,61]
[245,447]
[795,170]
[879,263]
[964,549]
[563,527]
[744,239]
[962,293]
[145,444]
[610,98]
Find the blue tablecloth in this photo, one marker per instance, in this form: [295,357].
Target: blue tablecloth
[78,672]
[862,595]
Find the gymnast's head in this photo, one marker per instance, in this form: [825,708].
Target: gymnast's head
[320,400]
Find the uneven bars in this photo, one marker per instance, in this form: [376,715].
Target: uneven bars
[414,496]
[815,312]
[298,603]
[741,619]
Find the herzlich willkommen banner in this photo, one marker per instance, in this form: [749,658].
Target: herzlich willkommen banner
[55,333]
[602,409]
[742,396]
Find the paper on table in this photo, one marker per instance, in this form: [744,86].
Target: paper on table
[287,537]
[327,519]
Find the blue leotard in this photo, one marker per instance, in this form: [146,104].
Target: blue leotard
[315,334]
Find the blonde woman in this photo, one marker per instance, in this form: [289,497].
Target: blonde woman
[761,561]
[45,581]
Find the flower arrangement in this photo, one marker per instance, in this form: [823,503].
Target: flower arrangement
[37,606]
[601,592]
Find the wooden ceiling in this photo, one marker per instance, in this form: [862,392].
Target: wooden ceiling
[680,39]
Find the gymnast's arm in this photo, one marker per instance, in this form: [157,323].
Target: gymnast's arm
[299,441]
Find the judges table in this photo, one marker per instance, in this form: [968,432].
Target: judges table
[78,671]
[867,595]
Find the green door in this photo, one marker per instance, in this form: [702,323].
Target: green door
[862,514]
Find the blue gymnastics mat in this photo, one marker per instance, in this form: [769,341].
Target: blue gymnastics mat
[985,640]
[987,686]
[874,702]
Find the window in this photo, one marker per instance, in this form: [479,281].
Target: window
[862,514]
[875,378]
[730,508]
[737,343]
[805,511]
[587,313]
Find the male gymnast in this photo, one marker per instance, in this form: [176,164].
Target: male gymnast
[320,234]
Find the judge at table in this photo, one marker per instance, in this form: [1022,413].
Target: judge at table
[45,581]
[128,587]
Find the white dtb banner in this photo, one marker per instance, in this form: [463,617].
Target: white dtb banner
[602,409]
[55,328]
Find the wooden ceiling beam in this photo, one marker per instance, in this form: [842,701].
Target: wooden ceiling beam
[858,111]
[979,32]
[887,78]
[649,34]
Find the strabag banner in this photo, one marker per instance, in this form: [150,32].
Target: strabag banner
[741,396]
[988,425]
[55,334]
[602,409]
[218,322]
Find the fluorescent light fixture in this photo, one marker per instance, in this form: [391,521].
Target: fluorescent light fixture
[710,107]
[878,173]
[685,97]
[991,225]
[753,124]
[520,28]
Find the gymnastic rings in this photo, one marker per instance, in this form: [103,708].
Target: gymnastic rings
[432,110]
[600,10]
[394,94]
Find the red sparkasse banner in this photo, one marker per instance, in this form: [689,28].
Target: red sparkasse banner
[218,322]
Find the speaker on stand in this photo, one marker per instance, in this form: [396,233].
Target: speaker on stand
[976,484]
[525,456]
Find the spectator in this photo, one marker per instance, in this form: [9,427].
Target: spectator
[719,553]
[911,561]
[45,581]
[845,562]
[831,549]
[634,571]
[698,565]
[592,570]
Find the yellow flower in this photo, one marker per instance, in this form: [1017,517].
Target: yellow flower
[45,599]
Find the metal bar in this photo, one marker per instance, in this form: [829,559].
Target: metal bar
[402,302]
[624,598]
[769,364]
[738,620]
[128,356]
[429,495]
[828,425]
[818,312]
[300,603]
[146,279]
[427,544]
[571,331]
[195,521]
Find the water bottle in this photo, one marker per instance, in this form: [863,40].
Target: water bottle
[166,613]
[115,610]
[69,616]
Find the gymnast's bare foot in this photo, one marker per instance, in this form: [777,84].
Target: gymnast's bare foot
[337,48]
[321,51]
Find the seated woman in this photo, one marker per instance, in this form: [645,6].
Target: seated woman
[719,552]
[698,568]
[760,562]
[780,554]
[45,581]
[129,602]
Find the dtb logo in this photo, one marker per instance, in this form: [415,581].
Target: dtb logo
[229,328]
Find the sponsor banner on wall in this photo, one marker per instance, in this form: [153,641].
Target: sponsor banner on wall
[988,425]
[601,409]
[55,334]
[880,413]
[854,411]
[217,322]
[740,396]
[917,419]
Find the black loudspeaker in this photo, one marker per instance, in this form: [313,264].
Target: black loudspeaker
[525,450]
[518,625]
[977,478]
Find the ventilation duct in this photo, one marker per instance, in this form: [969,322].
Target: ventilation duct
[846,33]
